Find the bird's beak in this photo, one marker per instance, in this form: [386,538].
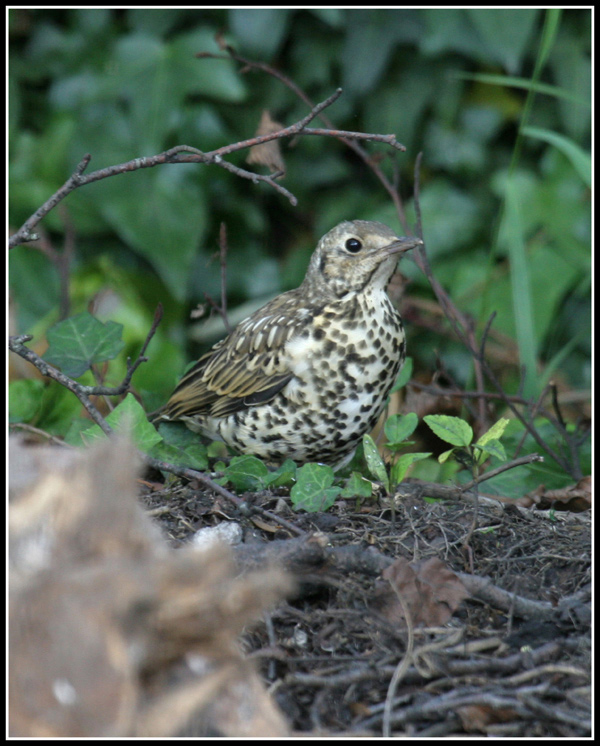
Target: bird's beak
[402,244]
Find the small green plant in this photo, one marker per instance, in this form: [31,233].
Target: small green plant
[397,429]
[459,434]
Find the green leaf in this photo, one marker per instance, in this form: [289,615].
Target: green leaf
[453,430]
[402,465]
[77,426]
[260,31]
[193,457]
[180,446]
[549,34]
[443,457]
[494,432]
[579,158]
[371,35]
[491,448]
[375,463]
[129,418]
[58,409]
[166,226]
[403,376]
[25,399]
[523,479]
[524,83]
[313,491]
[505,32]
[512,229]
[357,486]
[284,476]
[399,427]
[80,341]
[247,473]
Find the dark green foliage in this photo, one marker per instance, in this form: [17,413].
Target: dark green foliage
[505,201]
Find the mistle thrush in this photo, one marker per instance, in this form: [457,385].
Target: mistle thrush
[308,374]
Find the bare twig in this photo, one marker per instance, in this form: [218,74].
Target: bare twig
[403,665]
[223,261]
[391,188]
[84,392]
[222,307]
[502,468]
[189,154]
[239,503]
[25,233]
[16,344]
[26,427]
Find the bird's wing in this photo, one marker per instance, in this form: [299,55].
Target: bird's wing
[246,368]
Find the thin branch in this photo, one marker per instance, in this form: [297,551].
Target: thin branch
[83,393]
[221,308]
[253,177]
[502,468]
[189,154]
[361,152]
[223,261]
[16,344]
[239,503]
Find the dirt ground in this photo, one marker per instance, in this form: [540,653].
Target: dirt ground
[498,634]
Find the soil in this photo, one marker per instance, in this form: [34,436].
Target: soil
[498,634]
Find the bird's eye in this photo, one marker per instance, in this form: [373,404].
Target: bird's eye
[353,245]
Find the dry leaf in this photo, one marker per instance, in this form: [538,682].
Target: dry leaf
[476,718]
[575,498]
[430,589]
[267,153]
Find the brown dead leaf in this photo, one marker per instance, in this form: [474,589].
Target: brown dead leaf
[576,498]
[267,153]
[476,718]
[431,590]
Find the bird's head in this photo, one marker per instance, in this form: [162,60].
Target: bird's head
[355,256]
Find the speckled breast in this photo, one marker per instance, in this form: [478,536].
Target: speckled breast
[344,365]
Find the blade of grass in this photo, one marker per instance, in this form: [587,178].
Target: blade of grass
[558,358]
[521,288]
[524,83]
[580,160]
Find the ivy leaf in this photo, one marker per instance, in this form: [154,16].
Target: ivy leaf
[180,446]
[76,343]
[284,476]
[313,490]
[357,486]
[25,399]
[247,473]
[127,417]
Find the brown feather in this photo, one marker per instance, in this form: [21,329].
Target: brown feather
[246,368]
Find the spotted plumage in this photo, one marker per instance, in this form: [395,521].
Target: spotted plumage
[306,375]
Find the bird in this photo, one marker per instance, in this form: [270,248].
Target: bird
[308,374]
